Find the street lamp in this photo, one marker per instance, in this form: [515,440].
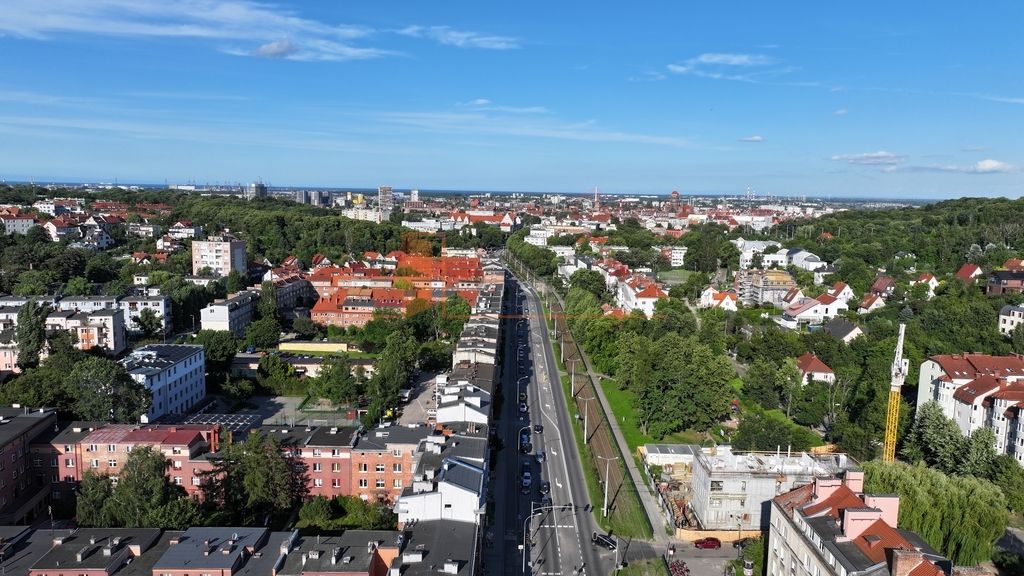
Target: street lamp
[533,512]
[607,462]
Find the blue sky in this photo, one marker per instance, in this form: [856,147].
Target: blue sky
[901,100]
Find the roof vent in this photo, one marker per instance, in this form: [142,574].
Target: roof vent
[451,566]
[313,554]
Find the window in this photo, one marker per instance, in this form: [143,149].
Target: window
[128,449]
[111,447]
[94,463]
[362,466]
[92,447]
[380,482]
[53,462]
[396,467]
[177,464]
[37,462]
[318,482]
[716,485]
[69,479]
[316,467]
[397,453]
[380,467]
[316,451]
[335,467]
[363,483]
[67,448]
[69,462]
[176,450]
[196,481]
[177,480]
[397,483]
[112,463]
[335,483]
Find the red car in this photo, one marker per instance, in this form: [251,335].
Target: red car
[705,543]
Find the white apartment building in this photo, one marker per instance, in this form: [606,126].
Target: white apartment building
[750,248]
[17,224]
[144,230]
[87,303]
[134,305]
[979,391]
[232,314]
[732,489]
[175,375]
[455,493]
[221,254]
[102,329]
[362,213]
[184,229]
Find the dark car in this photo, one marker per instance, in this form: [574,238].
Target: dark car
[743,543]
[545,487]
[604,541]
[522,396]
[538,428]
[707,543]
[526,448]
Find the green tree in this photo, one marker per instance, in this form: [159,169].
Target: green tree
[267,307]
[237,388]
[453,316]
[934,439]
[1006,473]
[234,281]
[316,513]
[1017,339]
[33,282]
[435,356]
[103,391]
[264,333]
[978,454]
[759,383]
[220,347]
[789,382]
[93,501]
[150,322]
[589,280]
[31,333]
[305,327]
[336,382]
[77,286]
[760,431]
[146,497]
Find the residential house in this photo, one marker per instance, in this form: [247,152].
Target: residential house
[813,369]
[869,303]
[144,230]
[713,298]
[184,230]
[929,280]
[811,311]
[968,272]
[104,329]
[841,291]
[1010,317]
[883,286]
[1005,282]
[134,305]
[842,329]
[382,461]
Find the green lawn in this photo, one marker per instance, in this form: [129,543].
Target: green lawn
[674,276]
[621,402]
[654,567]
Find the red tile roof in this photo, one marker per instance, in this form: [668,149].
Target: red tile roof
[809,363]
[878,538]
[968,271]
[841,499]
[976,388]
[971,366]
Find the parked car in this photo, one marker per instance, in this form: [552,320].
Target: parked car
[545,487]
[526,448]
[522,396]
[526,481]
[604,541]
[523,408]
[541,457]
[538,428]
[707,543]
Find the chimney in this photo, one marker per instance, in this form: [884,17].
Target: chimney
[855,521]
[80,555]
[889,504]
[825,487]
[854,480]
[904,561]
[451,566]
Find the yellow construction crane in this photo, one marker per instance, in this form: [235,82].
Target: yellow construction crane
[900,366]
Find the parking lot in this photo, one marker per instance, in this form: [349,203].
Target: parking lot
[414,412]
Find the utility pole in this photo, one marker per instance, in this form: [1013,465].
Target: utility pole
[607,468]
[586,419]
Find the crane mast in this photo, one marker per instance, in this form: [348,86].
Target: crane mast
[900,365]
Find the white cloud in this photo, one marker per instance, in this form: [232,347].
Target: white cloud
[754,138]
[728,66]
[240,27]
[483,104]
[841,112]
[1003,99]
[880,158]
[460,38]
[986,166]
[279,49]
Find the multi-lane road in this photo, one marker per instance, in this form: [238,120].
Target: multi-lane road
[540,531]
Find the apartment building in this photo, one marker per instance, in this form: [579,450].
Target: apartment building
[758,287]
[1010,317]
[134,305]
[830,527]
[103,328]
[449,479]
[732,489]
[23,493]
[219,254]
[175,375]
[326,453]
[17,224]
[382,461]
[232,314]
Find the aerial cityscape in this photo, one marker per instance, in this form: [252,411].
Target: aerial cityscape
[327,289]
